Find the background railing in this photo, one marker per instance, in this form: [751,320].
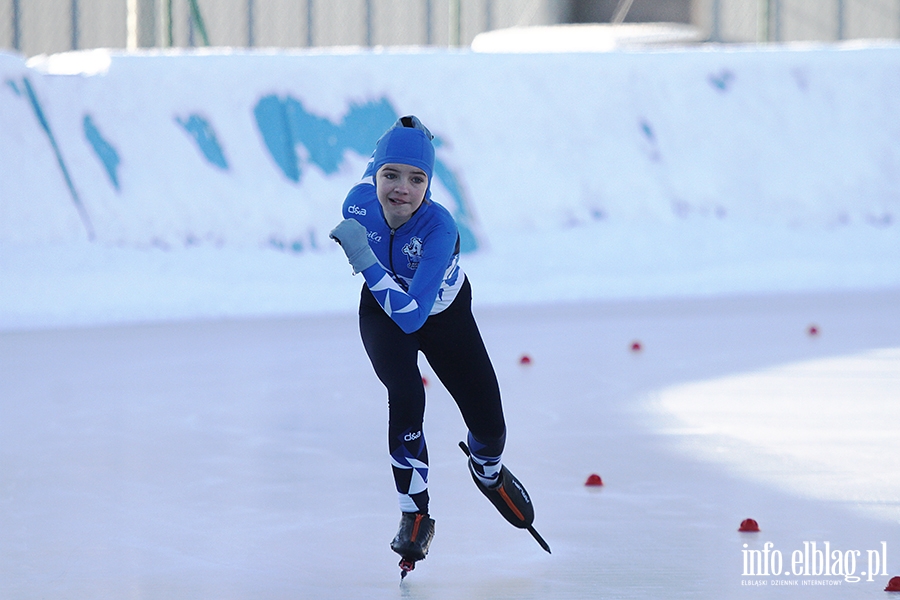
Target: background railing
[798,20]
[46,26]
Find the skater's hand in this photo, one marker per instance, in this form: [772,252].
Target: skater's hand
[351,235]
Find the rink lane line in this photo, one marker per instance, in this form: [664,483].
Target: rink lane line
[824,429]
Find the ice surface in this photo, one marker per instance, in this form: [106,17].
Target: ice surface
[247,459]
[827,426]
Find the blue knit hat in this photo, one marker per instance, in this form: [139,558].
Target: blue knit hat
[406,145]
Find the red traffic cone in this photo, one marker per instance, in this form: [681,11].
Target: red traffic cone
[593,480]
[749,525]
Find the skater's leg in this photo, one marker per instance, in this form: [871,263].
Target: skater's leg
[453,346]
[486,459]
[455,350]
[394,356]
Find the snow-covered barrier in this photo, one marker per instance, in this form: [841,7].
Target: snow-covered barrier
[652,163]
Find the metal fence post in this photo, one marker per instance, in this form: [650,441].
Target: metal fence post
[840,19]
[309,23]
[250,40]
[169,30]
[368,23]
[761,20]
[776,20]
[715,34]
[16,25]
[455,22]
[74,25]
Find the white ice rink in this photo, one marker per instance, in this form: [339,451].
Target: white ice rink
[246,459]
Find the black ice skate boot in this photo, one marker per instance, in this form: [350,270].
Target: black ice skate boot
[414,536]
[509,497]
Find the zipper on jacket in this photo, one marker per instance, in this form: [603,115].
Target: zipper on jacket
[391,255]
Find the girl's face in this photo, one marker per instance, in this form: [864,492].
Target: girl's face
[401,191]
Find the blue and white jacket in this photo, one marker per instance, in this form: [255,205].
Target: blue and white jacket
[417,273]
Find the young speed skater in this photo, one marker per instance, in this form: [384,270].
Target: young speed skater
[416,298]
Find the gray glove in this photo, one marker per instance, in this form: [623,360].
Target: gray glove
[351,235]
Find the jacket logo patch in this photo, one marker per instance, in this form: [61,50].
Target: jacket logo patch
[413,252]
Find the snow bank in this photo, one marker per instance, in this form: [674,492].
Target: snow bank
[572,176]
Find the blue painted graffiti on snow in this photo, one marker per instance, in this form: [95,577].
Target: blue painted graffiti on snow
[205,136]
[286,125]
[41,117]
[103,149]
[15,88]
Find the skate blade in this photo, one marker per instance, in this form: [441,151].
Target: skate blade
[539,539]
[464,448]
